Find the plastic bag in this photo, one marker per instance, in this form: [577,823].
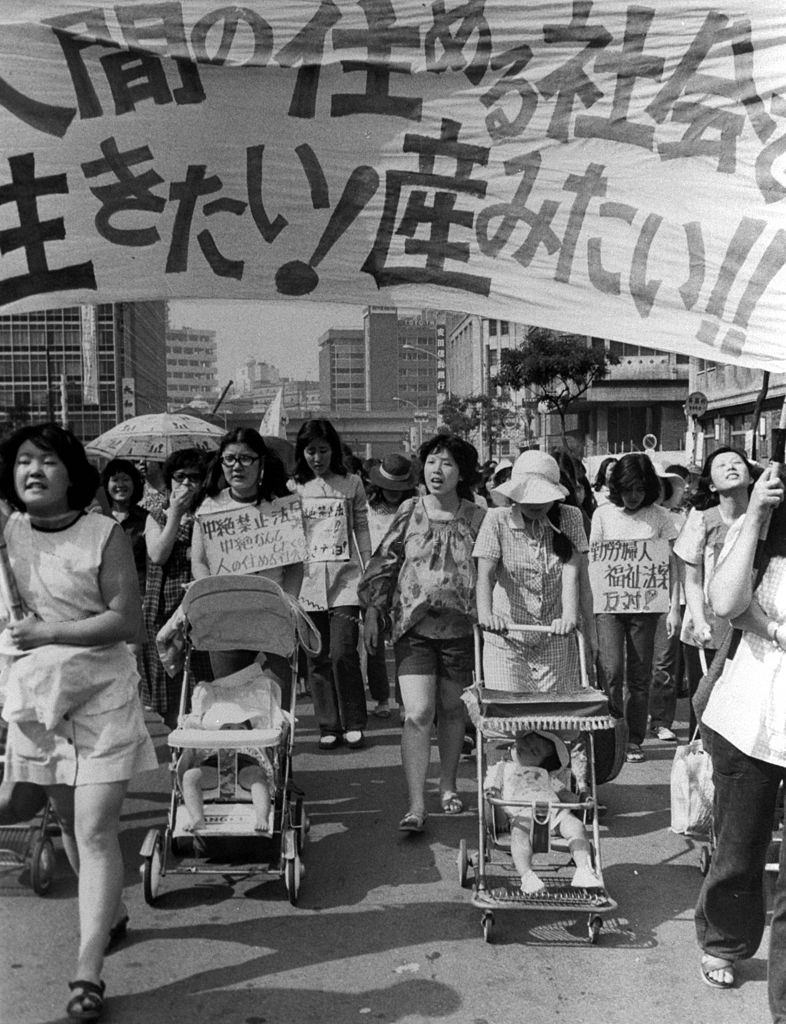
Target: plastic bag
[691,789]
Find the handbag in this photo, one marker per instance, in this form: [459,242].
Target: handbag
[692,789]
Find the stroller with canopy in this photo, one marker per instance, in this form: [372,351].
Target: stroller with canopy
[499,717]
[226,613]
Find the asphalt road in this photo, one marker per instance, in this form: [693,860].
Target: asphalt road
[383,931]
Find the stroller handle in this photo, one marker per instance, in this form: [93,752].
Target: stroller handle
[515,627]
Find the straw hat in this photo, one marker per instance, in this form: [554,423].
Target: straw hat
[395,473]
[534,480]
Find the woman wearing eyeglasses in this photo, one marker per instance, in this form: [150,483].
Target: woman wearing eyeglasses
[246,472]
[168,533]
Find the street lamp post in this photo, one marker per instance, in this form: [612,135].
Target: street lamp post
[406,401]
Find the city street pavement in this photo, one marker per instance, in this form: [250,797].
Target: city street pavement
[383,932]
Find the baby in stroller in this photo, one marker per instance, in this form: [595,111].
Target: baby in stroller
[537,774]
[200,770]
[217,770]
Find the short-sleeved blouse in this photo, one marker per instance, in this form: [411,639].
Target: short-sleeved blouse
[700,543]
[747,705]
[528,591]
[334,584]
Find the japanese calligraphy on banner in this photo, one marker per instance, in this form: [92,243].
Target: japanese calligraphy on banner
[630,576]
[245,540]
[604,168]
[327,531]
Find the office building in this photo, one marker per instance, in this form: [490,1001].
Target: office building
[86,366]
[191,366]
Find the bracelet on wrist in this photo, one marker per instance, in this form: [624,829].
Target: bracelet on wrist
[772,632]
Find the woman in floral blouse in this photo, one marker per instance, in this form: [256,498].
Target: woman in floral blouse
[422,579]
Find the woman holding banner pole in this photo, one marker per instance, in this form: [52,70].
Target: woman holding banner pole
[245,473]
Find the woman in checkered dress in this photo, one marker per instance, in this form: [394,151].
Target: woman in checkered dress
[168,537]
[529,559]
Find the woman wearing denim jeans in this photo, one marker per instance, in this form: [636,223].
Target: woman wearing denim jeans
[629,637]
[744,728]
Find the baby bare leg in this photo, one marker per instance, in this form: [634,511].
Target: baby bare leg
[521,852]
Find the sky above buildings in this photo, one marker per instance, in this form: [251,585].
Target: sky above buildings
[282,333]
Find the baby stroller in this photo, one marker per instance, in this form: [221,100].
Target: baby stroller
[499,715]
[27,825]
[226,613]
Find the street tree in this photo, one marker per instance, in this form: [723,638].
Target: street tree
[557,368]
[466,416]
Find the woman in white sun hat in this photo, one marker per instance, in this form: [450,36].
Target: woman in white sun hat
[529,559]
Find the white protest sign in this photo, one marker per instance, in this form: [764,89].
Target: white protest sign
[327,531]
[247,539]
[630,576]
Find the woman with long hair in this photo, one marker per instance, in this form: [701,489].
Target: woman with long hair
[721,497]
[336,516]
[245,473]
[626,639]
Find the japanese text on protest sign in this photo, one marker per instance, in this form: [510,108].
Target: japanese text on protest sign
[327,531]
[608,169]
[630,576]
[246,540]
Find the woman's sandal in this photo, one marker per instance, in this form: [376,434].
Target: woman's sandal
[412,822]
[717,965]
[451,803]
[87,1002]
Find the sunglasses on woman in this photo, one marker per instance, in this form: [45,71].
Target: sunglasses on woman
[181,477]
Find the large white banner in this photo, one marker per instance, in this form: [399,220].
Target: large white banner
[613,169]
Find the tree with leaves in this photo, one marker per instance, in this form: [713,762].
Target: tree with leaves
[557,368]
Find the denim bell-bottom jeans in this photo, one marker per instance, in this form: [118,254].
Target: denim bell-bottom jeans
[621,638]
[730,913]
[335,678]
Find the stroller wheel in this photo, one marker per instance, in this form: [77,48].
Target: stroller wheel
[704,860]
[42,865]
[463,863]
[151,872]
[292,875]
[594,926]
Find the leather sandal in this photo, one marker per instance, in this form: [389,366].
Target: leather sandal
[412,822]
[87,1002]
[717,965]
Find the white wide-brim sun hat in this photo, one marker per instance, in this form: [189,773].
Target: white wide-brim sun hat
[534,480]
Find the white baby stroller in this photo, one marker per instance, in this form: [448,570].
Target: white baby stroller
[499,716]
[227,613]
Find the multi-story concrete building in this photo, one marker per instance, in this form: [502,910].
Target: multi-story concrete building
[191,365]
[728,395]
[87,366]
[342,370]
[643,394]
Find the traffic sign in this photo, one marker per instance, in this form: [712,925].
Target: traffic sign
[696,404]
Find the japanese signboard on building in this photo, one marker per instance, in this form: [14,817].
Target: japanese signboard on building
[249,539]
[612,169]
[630,576]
